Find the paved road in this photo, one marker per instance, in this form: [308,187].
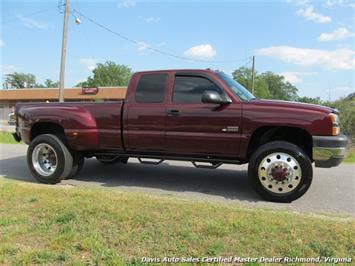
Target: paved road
[332,190]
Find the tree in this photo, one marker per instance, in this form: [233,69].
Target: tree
[346,109]
[278,87]
[305,99]
[48,83]
[244,76]
[20,80]
[351,96]
[108,74]
[267,85]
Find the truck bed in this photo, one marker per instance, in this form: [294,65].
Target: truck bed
[87,125]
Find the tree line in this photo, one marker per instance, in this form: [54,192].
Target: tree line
[19,80]
[268,85]
[105,74]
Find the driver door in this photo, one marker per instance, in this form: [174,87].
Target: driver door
[201,129]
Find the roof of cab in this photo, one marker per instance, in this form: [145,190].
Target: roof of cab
[177,70]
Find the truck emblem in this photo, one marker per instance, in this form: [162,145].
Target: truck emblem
[230,129]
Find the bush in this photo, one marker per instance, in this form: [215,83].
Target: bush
[346,108]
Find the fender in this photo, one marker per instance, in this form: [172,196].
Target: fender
[80,127]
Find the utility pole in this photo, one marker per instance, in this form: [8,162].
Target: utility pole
[253,75]
[64,51]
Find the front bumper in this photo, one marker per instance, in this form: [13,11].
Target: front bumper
[329,151]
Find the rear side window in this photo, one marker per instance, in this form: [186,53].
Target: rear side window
[151,88]
[190,89]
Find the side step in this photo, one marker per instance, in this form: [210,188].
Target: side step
[208,165]
[150,162]
[155,159]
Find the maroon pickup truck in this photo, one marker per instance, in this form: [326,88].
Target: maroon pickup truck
[201,116]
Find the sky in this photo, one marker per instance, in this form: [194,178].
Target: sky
[310,43]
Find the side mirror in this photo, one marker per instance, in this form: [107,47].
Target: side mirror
[214,97]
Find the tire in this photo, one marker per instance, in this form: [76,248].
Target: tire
[280,171]
[112,159]
[48,159]
[78,163]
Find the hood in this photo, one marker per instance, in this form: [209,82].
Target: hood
[294,105]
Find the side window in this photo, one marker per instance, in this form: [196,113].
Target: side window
[151,88]
[190,89]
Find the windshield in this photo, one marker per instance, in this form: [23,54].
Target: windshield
[237,88]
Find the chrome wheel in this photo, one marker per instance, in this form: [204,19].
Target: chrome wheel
[44,159]
[279,173]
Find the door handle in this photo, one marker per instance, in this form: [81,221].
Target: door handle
[173,112]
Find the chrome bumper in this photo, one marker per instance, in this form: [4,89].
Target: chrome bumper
[329,151]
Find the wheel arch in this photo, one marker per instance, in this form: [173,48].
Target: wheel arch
[298,136]
[46,128]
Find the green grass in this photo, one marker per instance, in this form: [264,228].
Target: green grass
[350,156]
[55,225]
[6,137]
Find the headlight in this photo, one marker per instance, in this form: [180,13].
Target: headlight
[335,124]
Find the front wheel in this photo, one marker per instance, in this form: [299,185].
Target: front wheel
[280,171]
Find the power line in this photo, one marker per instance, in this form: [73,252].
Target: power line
[61,6]
[150,47]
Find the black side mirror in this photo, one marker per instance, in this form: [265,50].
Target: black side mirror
[214,97]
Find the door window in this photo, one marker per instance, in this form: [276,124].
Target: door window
[151,88]
[190,89]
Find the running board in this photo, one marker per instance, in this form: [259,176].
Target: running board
[206,166]
[209,165]
[216,162]
[150,162]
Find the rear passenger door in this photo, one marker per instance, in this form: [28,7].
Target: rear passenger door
[146,114]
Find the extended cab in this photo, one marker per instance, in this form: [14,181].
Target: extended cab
[201,116]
